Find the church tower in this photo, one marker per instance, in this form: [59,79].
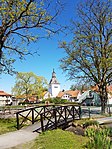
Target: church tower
[54,85]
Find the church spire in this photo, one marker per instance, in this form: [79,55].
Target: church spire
[53,74]
[53,79]
[54,85]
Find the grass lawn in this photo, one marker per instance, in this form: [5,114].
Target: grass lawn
[56,139]
[59,139]
[7,125]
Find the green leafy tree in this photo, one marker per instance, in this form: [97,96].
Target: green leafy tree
[28,84]
[89,54]
[21,22]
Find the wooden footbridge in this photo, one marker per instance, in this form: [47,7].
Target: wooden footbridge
[48,116]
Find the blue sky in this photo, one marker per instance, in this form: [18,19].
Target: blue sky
[50,54]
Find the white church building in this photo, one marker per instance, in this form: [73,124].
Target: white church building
[53,88]
[55,91]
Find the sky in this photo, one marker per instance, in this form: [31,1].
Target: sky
[50,54]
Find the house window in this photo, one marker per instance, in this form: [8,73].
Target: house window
[55,86]
[90,93]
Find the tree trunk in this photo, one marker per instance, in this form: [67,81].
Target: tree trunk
[103,97]
[103,106]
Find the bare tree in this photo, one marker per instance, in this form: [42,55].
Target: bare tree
[20,20]
[89,54]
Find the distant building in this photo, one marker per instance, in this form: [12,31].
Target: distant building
[5,98]
[109,92]
[54,85]
[53,88]
[69,95]
[46,95]
[88,98]
[109,95]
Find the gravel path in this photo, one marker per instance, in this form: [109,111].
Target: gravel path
[18,137]
[15,138]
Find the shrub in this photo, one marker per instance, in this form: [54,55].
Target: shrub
[90,123]
[59,101]
[55,100]
[85,122]
[99,138]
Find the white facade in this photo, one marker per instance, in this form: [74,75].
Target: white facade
[5,98]
[109,101]
[66,96]
[54,89]
[69,95]
[46,95]
[54,85]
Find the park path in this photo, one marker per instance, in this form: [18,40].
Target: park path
[104,120]
[18,137]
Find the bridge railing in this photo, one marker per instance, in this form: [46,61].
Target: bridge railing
[58,116]
[30,115]
[90,111]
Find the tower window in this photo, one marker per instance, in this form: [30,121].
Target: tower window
[55,86]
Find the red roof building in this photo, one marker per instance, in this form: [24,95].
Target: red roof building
[5,98]
[2,93]
[69,95]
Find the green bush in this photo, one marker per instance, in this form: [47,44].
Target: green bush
[90,123]
[99,138]
[55,100]
[59,101]
[49,100]
[110,130]
[23,103]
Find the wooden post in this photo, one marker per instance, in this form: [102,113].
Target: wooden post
[65,115]
[44,111]
[32,116]
[80,112]
[73,113]
[55,118]
[17,118]
[41,120]
[89,113]
[53,106]
[109,110]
